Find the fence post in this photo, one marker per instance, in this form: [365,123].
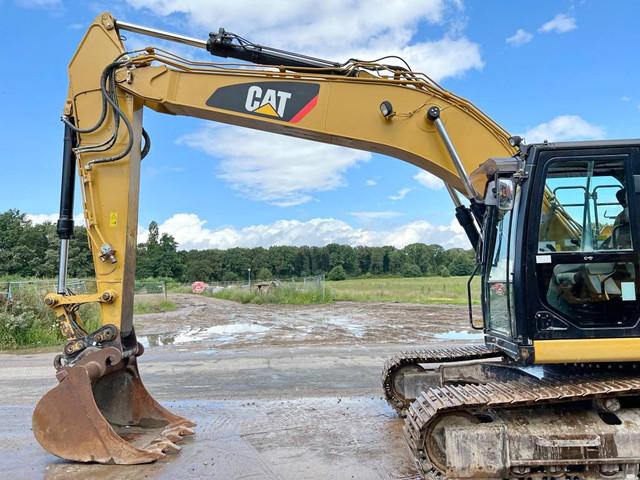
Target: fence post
[164,289]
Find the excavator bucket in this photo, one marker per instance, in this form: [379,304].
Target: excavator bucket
[101,412]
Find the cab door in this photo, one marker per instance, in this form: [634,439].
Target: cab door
[582,241]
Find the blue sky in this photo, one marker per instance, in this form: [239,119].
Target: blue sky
[559,70]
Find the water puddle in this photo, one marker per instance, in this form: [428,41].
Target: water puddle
[459,335]
[355,329]
[219,334]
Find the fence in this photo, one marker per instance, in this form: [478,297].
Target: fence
[11,288]
[151,286]
[299,283]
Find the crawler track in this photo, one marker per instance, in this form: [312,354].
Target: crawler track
[414,357]
[530,393]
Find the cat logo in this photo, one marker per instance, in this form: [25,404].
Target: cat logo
[271,102]
[287,101]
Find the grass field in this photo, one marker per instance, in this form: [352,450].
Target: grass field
[151,304]
[443,290]
[428,290]
[281,295]
[28,323]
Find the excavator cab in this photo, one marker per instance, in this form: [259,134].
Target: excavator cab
[561,262]
[554,391]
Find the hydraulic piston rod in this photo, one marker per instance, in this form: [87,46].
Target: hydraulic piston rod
[226,44]
[64,227]
[153,32]
[434,115]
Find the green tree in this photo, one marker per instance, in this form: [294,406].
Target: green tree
[158,256]
[337,273]
[264,274]
[22,245]
[411,270]
[462,264]
[376,266]
[230,277]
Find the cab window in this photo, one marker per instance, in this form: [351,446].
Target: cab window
[584,207]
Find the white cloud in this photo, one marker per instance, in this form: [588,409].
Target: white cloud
[561,23]
[519,38]
[428,180]
[562,128]
[281,170]
[371,183]
[624,98]
[380,215]
[400,195]
[191,232]
[338,30]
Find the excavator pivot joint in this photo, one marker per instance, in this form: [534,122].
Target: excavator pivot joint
[108,22]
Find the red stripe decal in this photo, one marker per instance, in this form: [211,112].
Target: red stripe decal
[306,109]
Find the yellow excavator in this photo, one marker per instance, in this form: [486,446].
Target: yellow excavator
[552,393]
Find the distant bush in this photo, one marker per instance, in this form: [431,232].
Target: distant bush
[411,270]
[337,273]
[444,272]
[264,274]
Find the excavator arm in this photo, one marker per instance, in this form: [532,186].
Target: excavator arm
[341,109]
[357,104]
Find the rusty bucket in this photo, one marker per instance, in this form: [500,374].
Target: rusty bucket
[101,412]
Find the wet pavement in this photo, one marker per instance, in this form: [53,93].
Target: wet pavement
[278,392]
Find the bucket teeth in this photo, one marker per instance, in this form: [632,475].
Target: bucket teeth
[162,445]
[178,431]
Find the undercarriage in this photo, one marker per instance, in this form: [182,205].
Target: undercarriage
[479,415]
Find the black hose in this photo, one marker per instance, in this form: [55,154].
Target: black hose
[107,144]
[103,113]
[147,144]
[114,104]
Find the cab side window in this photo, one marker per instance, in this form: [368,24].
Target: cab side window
[584,207]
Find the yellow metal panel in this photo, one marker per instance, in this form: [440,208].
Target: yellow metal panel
[587,350]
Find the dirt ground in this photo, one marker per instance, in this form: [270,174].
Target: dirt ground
[278,392]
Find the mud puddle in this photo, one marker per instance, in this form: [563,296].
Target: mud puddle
[202,322]
[218,335]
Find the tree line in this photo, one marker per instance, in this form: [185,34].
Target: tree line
[29,250]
